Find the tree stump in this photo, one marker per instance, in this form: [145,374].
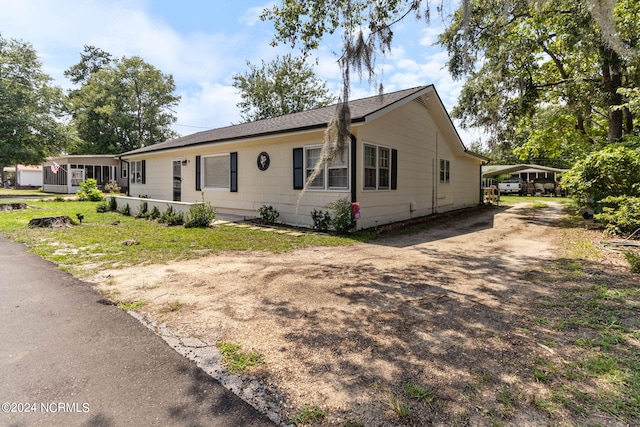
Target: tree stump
[52,222]
[12,206]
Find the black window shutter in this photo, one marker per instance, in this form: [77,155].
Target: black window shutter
[198,172]
[394,169]
[298,168]
[144,171]
[233,169]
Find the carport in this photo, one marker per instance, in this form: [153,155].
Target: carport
[541,179]
[527,172]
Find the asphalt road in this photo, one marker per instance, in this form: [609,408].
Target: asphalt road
[66,359]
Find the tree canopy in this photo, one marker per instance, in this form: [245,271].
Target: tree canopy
[31,109]
[543,77]
[527,63]
[282,86]
[122,104]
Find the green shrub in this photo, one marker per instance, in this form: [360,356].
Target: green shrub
[102,207]
[89,191]
[126,210]
[611,171]
[58,199]
[200,215]
[143,210]
[155,213]
[321,220]
[342,220]
[268,214]
[113,204]
[634,261]
[171,217]
[620,215]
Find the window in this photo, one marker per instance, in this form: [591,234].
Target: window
[77,176]
[377,168]
[137,172]
[333,176]
[312,157]
[216,171]
[445,170]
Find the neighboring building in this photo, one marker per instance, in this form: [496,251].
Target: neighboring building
[72,170]
[526,172]
[24,176]
[405,160]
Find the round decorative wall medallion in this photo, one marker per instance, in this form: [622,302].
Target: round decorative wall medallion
[263,161]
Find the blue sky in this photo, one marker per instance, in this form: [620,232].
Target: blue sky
[202,44]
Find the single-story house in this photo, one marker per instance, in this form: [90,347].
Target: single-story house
[64,174]
[405,159]
[25,176]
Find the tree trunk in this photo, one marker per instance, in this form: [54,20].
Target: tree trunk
[612,81]
[628,121]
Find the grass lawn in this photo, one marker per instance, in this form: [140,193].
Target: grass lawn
[108,240]
[537,201]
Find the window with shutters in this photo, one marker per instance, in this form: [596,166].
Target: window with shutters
[332,176]
[216,171]
[136,170]
[377,167]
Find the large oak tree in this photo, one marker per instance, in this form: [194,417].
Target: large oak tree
[122,104]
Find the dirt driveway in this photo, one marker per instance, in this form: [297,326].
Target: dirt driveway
[348,329]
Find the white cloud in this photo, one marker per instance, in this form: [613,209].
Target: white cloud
[253,14]
[430,36]
[209,107]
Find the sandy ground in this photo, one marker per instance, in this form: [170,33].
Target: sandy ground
[347,328]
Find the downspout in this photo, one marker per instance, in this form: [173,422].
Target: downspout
[436,178]
[354,196]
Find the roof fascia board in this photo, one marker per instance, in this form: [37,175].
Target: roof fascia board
[222,143]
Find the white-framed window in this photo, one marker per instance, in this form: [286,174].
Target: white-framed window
[77,177]
[377,167]
[137,172]
[333,176]
[216,171]
[445,171]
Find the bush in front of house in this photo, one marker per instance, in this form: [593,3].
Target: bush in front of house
[171,217]
[321,220]
[342,219]
[620,215]
[143,210]
[268,214]
[102,207]
[113,204]
[155,213]
[125,210]
[200,215]
[89,191]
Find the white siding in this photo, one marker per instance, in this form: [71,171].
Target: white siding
[410,129]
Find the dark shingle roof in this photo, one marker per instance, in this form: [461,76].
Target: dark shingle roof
[311,119]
